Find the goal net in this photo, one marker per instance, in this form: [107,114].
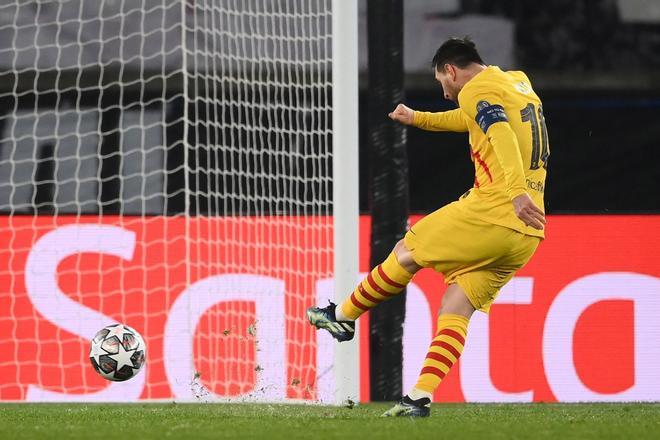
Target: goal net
[166,164]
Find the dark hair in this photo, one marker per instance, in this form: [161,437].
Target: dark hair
[457,51]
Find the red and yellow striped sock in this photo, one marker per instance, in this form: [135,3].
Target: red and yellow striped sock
[445,350]
[385,281]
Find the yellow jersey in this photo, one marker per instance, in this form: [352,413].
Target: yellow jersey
[508,142]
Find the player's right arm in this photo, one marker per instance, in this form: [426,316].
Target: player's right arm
[453,120]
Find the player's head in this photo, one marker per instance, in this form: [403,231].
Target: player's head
[453,65]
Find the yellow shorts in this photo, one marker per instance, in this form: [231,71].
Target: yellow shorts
[481,257]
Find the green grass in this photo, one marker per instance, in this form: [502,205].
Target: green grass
[201,421]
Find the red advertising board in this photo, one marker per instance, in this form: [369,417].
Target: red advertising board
[227,303]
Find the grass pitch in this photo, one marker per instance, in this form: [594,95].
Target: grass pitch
[218,421]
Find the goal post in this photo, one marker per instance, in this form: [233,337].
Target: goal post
[188,168]
[346,181]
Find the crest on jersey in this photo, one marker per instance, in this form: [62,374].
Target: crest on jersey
[523,87]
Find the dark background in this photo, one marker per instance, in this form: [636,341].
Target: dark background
[596,70]
[604,151]
[598,75]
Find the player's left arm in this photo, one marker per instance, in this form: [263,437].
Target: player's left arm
[486,110]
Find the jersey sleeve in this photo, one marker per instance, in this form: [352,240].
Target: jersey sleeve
[452,120]
[484,107]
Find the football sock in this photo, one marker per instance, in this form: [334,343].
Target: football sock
[416,394]
[445,350]
[385,281]
[339,314]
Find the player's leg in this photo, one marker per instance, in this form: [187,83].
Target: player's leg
[472,287]
[385,281]
[389,278]
[445,349]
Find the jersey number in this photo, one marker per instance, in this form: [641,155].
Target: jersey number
[540,149]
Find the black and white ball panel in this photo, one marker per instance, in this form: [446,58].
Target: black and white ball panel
[117,352]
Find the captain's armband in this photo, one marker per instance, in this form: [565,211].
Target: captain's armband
[488,114]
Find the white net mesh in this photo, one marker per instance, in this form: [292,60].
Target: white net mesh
[164,164]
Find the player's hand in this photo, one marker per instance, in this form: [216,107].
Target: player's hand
[402,114]
[528,212]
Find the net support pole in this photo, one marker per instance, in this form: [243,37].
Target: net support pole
[345,183]
[388,188]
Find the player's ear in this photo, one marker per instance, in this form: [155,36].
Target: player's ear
[450,71]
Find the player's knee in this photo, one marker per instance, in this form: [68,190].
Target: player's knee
[456,302]
[404,257]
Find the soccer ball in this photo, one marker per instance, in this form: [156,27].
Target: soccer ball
[117,352]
